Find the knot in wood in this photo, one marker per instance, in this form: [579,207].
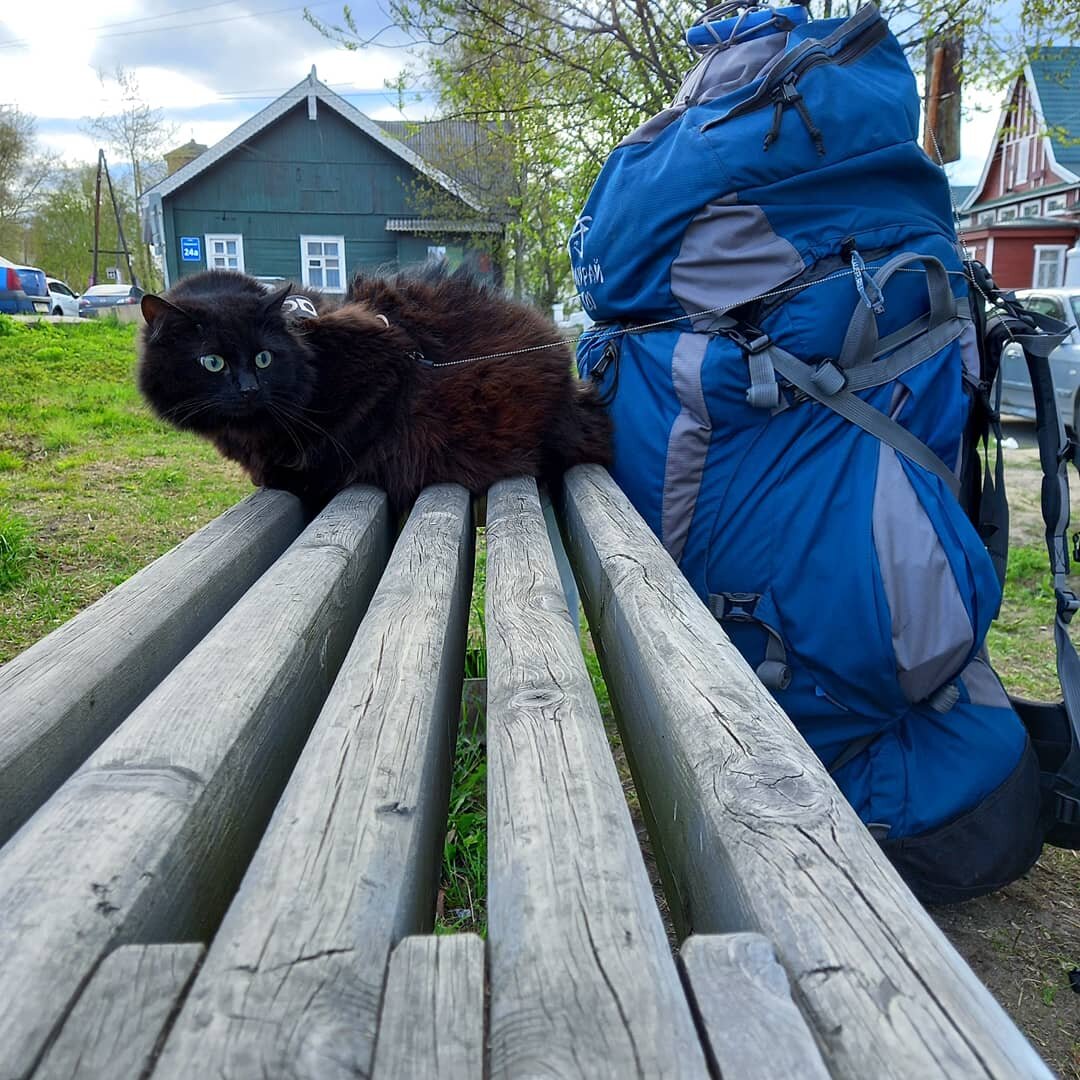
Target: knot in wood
[540,697]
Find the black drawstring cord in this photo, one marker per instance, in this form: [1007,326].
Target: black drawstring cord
[786,94]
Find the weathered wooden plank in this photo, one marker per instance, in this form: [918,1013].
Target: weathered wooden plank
[349,865]
[62,696]
[752,834]
[582,979]
[744,1002]
[432,1021]
[115,1025]
[147,841]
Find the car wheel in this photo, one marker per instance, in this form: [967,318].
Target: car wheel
[57,311]
[1075,419]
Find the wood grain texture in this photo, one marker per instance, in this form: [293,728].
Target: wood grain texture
[349,864]
[582,980]
[63,696]
[744,1001]
[115,1025]
[751,832]
[148,840]
[432,1022]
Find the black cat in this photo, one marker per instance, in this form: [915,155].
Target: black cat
[309,397]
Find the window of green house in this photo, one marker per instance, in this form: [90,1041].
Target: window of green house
[225,251]
[322,262]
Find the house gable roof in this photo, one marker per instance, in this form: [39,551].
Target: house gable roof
[1055,73]
[313,91]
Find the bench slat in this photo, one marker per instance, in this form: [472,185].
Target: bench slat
[752,833]
[432,1022]
[115,1024]
[148,840]
[65,694]
[744,1001]
[582,978]
[350,861]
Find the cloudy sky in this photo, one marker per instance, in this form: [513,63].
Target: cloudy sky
[211,64]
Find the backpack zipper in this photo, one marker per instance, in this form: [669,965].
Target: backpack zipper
[778,89]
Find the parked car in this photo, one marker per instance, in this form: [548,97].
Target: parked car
[23,290]
[62,298]
[1016,396]
[100,298]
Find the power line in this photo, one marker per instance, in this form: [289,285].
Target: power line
[187,26]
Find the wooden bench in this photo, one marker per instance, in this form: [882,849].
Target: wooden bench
[223,793]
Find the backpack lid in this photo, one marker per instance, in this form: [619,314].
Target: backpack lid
[747,22]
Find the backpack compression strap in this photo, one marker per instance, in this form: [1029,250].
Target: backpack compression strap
[1038,335]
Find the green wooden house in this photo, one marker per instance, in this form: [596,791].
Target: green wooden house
[312,190]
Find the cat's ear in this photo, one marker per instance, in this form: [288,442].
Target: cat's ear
[275,299]
[155,307]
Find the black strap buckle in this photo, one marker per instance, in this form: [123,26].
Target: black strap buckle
[1068,604]
[749,338]
[740,607]
[1066,809]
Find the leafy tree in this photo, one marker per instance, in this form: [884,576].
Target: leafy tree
[568,79]
[62,236]
[24,170]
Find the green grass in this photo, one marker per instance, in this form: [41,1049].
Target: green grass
[462,902]
[92,486]
[1021,640]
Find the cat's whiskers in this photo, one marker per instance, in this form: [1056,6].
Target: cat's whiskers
[277,413]
[311,425]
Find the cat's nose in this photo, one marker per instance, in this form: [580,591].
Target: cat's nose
[248,389]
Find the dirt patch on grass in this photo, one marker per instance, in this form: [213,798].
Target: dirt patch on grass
[1022,942]
[1023,477]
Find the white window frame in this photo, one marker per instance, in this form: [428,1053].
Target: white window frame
[1023,160]
[1055,202]
[1008,213]
[1040,250]
[209,240]
[306,261]
[1031,209]
[986,217]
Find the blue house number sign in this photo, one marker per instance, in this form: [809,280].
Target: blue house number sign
[191,248]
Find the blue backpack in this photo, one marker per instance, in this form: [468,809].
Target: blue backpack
[796,376]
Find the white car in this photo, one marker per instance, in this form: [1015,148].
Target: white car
[1016,396]
[63,300]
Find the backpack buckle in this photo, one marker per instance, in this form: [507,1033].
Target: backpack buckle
[1066,809]
[1068,603]
[749,338]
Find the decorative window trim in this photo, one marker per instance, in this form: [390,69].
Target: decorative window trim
[1054,203]
[1007,213]
[1031,209]
[986,217]
[209,240]
[307,259]
[1040,250]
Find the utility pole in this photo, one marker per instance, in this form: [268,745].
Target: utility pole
[119,224]
[97,215]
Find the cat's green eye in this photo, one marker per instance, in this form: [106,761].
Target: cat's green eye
[212,362]
[263,359]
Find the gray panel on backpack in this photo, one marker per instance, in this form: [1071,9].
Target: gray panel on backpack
[755,260]
[931,630]
[688,443]
[983,685]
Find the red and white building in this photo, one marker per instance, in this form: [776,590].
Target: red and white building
[1024,213]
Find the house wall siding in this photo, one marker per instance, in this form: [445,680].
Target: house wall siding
[298,177]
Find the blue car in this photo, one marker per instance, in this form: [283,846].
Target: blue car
[23,290]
